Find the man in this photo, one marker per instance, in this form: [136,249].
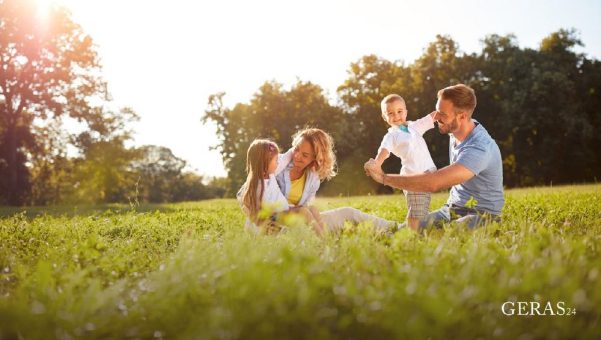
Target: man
[475,173]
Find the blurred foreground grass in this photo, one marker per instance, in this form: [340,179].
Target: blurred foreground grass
[189,271]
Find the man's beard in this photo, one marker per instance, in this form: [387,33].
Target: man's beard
[448,128]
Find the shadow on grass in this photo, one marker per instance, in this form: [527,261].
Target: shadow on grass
[82,210]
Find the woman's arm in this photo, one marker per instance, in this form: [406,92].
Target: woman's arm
[311,190]
[309,216]
[312,218]
[318,225]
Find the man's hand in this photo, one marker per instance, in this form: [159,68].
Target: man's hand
[371,163]
[373,170]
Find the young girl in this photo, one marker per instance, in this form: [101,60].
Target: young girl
[260,197]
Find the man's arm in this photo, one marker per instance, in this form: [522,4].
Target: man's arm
[426,182]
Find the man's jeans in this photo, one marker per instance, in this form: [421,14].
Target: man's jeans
[470,217]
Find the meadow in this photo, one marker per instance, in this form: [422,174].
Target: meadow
[189,271]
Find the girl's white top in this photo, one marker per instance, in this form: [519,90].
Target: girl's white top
[273,198]
[408,144]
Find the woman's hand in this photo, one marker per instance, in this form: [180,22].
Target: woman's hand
[312,218]
[318,225]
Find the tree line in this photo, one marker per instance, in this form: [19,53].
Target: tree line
[50,75]
[540,105]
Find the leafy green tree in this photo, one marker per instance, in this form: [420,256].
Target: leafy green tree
[158,171]
[589,91]
[536,101]
[104,172]
[104,175]
[50,167]
[48,68]
[561,124]
[191,187]
[370,79]
[273,113]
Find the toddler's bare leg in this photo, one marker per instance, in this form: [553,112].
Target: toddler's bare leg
[413,223]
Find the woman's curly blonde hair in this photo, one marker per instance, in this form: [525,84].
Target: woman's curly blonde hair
[323,147]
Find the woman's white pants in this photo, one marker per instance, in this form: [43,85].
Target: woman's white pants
[334,219]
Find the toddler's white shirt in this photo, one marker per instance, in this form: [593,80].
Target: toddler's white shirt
[407,143]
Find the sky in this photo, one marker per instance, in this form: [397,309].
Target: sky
[164,58]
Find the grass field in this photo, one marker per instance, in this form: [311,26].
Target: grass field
[189,271]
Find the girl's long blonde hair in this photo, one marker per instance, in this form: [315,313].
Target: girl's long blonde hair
[259,154]
[323,146]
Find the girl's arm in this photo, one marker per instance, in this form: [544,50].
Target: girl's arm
[283,160]
[239,195]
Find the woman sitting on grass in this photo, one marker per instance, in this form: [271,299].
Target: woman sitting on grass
[313,161]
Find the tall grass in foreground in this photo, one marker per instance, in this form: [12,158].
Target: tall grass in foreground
[188,271]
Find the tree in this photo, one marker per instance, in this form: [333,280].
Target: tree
[273,113]
[104,173]
[158,171]
[50,167]
[370,79]
[160,178]
[537,101]
[562,123]
[49,68]
[190,187]
[589,91]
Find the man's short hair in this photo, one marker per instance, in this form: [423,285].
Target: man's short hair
[462,96]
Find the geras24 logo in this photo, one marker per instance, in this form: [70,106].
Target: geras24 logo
[533,308]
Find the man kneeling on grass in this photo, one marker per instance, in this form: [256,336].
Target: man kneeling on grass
[475,174]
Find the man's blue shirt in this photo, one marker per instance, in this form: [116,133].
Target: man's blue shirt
[481,155]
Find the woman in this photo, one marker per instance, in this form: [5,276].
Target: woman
[313,161]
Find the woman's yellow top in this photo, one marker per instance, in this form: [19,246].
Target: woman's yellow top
[296,189]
